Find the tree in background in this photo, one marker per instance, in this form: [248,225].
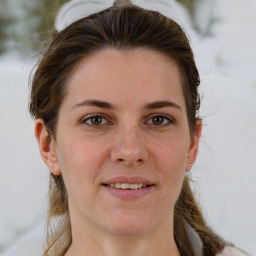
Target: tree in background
[47,13]
[202,13]
[25,25]
[189,4]
[3,21]
[17,20]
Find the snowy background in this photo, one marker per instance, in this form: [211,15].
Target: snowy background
[224,174]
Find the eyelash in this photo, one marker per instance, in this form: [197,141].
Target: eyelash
[90,117]
[167,120]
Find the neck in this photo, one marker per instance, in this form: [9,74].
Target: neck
[158,242]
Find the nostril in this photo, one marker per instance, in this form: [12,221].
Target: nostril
[129,161]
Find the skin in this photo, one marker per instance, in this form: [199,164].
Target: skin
[126,141]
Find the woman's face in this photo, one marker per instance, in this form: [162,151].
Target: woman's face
[122,142]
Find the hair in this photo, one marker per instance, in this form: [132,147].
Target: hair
[123,27]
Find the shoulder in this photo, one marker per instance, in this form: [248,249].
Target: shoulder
[231,251]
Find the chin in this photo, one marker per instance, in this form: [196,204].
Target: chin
[128,225]
[130,231]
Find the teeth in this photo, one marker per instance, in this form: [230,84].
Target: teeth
[134,186]
[127,186]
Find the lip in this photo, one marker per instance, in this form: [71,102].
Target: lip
[128,194]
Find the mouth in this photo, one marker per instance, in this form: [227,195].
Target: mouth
[127,186]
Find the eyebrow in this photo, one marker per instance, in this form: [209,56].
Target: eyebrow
[96,103]
[163,104]
[104,104]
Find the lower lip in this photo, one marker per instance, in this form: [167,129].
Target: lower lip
[129,194]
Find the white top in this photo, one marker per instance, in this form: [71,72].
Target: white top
[198,245]
[231,251]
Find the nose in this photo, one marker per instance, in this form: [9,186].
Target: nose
[129,147]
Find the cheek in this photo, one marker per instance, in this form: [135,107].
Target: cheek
[170,161]
[80,161]
[80,152]
[172,154]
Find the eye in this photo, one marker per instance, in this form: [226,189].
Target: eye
[160,120]
[95,120]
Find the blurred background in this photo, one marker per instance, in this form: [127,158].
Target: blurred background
[223,37]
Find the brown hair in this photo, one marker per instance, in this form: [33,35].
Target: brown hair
[125,27]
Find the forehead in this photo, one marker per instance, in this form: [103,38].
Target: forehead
[127,75]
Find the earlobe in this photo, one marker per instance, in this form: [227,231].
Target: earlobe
[193,150]
[47,146]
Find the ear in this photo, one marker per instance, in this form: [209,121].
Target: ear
[193,150]
[47,148]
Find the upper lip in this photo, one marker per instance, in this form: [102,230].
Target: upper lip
[128,180]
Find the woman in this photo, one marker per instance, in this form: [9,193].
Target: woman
[115,98]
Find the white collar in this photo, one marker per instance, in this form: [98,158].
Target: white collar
[194,239]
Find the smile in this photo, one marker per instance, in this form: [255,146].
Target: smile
[127,186]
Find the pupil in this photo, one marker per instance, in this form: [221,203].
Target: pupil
[157,120]
[96,120]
